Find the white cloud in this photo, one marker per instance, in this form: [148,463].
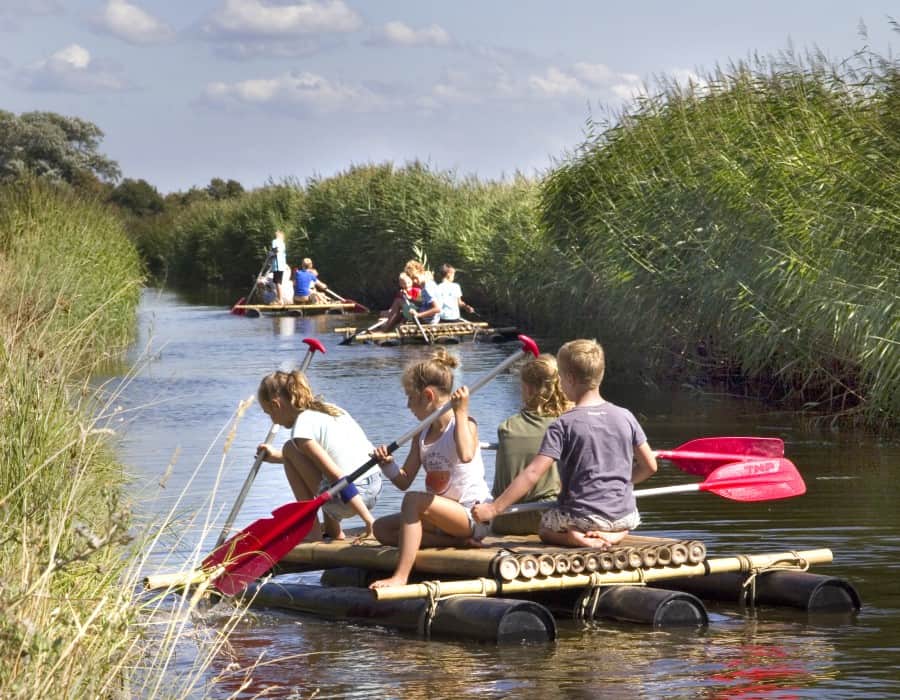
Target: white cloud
[71,69]
[245,29]
[398,34]
[255,18]
[298,93]
[555,83]
[132,24]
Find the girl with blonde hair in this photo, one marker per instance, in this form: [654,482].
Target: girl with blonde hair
[450,453]
[325,444]
[519,438]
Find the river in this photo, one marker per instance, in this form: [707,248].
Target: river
[194,363]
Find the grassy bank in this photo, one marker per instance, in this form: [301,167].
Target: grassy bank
[69,285]
[748,230]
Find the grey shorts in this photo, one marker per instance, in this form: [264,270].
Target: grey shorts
[558,520]
[369,489]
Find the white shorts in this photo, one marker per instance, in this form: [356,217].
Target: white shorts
[558,520]
[369,489]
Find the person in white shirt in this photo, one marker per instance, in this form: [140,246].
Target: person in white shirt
[325,444]
[279,265]
[450,295]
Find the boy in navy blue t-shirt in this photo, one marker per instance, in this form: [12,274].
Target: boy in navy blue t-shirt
[601,452]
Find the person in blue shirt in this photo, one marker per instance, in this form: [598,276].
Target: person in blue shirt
[279,264]
[306,282]
[429,306]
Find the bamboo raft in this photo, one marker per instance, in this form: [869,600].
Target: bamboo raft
[341,307]
[446,333]
[514,587]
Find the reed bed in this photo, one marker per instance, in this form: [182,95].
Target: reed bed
[225,242]
[71,556]
[748,227]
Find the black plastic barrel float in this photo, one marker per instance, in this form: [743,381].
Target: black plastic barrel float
[635,604]
[499,620]
[796,589]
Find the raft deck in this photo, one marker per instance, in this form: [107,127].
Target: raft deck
[412,334]
[297,309]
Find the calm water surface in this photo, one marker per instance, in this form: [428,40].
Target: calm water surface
[195,363]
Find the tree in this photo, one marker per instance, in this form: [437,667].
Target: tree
[138,196]
[219,189]
[53,146]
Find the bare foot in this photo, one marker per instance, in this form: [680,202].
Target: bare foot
[605,540]
[388,582]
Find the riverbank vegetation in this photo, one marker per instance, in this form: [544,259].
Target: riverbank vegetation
[69,286]
[739,231]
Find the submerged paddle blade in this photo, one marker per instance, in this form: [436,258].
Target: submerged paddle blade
[262,544]
[758,480]
[236,311]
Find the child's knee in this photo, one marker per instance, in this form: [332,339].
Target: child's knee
[416,502]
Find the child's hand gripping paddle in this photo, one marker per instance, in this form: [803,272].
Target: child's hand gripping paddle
[258,547]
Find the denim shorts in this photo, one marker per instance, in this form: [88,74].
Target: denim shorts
[369,489]
[558,520]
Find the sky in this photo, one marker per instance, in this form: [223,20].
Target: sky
[268,90]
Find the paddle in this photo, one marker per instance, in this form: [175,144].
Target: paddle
[702,455]
[246,299]
[358,308]
[254,550]
[313,346]
[349,339]
[421,330]
[748,481]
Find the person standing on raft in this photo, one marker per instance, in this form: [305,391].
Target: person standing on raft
[596,445]
[279,265]
[449,451]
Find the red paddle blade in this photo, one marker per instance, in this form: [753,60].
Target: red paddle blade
[758,480]
[259,546]
[236,311]
[703,455]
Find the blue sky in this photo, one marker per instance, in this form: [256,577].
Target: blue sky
[270,89]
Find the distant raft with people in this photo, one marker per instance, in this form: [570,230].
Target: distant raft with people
[332,307]
[431,334]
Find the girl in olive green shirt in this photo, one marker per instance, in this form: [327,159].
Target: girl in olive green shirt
[519,438]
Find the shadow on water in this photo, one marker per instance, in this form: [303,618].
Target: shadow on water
[200,361]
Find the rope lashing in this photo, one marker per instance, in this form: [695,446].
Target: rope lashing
[748,586]
[435,597]
[586,605]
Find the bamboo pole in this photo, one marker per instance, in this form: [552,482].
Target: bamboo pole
[710,566]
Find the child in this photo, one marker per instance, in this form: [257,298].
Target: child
[519,438]
[403,304]
[454,472]
[450,294]
[325,444]
[306,282]
[429,308]
[595,444]
[279,265]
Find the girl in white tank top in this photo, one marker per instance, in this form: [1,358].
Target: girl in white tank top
[449,451]
[446,476]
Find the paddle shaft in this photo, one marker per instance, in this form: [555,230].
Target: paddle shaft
[262,271]
[349,339]
[528,347]
[312,347]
